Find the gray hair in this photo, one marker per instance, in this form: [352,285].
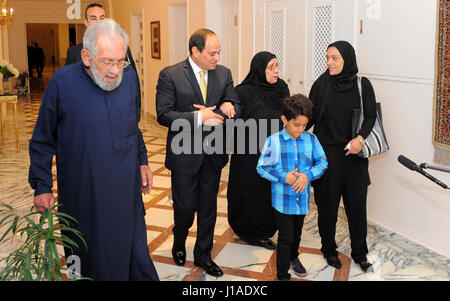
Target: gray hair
[106,26]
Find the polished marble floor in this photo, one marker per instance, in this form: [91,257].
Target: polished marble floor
[394,257]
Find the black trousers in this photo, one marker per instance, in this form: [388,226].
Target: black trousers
[346,176]
[289,236]
[197,193]
[39,69]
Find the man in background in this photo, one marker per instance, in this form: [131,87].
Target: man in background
[94,13]
[31,53]
[39,59]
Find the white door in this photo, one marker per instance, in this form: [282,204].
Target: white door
[328,21]
[284,34]
[230,37]
[298,33]
[137,50]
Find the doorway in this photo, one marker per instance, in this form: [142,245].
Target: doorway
[230,38]
[55,40]
[298,33]
[178,35]
[43,35]
[52,43]
[280,28]
[329,21]
[137,51]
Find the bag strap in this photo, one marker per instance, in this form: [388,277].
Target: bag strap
[361,101]
[360,92]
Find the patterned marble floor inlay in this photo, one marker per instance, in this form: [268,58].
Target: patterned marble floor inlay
[394,257]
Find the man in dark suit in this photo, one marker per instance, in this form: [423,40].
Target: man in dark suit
[39,60]
[198,92]
[94,13]
[31,52]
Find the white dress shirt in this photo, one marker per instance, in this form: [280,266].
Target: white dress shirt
[197,70]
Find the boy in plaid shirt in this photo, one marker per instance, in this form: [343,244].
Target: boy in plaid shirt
[291,159]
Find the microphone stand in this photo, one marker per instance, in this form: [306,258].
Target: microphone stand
[440,168]
[435,167]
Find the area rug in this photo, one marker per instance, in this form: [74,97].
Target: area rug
[441,126]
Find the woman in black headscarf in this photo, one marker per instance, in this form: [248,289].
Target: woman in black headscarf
[261,93]
[335,95]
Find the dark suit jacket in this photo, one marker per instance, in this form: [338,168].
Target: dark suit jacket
[176,93]
[74,56]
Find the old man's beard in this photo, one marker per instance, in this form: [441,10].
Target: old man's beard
[99,78]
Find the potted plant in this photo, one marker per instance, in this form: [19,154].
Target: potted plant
[22,79]
[22,84]
[7,71]
[38,257]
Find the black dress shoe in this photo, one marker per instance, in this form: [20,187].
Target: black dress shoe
[334,262]
[366,266]
[179,256]
[210,268]
[265,243]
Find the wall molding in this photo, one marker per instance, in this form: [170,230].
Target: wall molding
[403,79]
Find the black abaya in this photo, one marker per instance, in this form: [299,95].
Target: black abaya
[334,97]
[250,213]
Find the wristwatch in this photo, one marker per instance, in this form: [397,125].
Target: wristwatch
[361,140]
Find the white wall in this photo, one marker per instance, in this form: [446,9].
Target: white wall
[178,36]
[397,53]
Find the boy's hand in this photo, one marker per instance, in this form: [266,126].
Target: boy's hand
[291,177]
[300,183]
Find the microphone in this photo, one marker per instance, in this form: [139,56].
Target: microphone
[408,163]
[413,166]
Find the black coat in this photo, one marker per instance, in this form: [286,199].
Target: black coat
[250,212]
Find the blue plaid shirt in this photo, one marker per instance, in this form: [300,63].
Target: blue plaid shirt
[282,154]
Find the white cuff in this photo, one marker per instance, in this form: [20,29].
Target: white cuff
[199,119]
